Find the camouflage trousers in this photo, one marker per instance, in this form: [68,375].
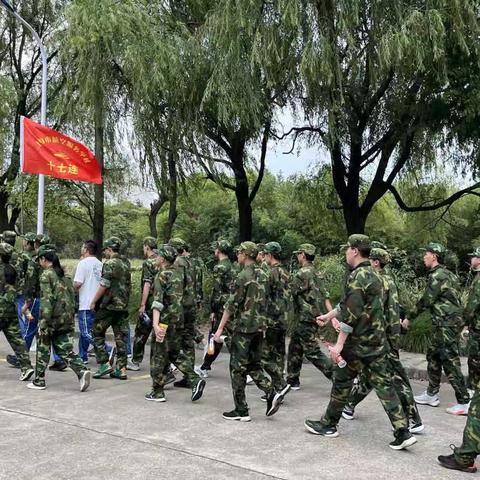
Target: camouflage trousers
[473,360]
[189,333]
[162,354]
[304,342]
[62,343]
[208,359]
[443,353]
[11,329]
[470,448]
[246,359]
[401,384]
[273,356]
[142,332]
[375,372]
[118,320]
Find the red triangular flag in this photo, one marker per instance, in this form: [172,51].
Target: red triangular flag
[45,151]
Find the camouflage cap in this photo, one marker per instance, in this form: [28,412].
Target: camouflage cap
[261,247]
[29,236]
[436,248]
[178,243]
[112,242]
[475,253]
[9,236]
[5,249]
[358,240]
[167,252]
[377,244]
[307,248]
[380,254]
[273,247]
[42,239]
[150,242]
[223,245]
[249,248]
[44,249]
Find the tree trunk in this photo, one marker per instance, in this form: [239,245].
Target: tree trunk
[172,194]
[245,221]
[99,207]
[155,208]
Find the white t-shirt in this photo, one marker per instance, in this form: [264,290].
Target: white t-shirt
[88,273]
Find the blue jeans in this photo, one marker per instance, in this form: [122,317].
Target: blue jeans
[29,329]
[85,324]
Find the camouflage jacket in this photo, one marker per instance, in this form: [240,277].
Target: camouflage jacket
[361,313]
[198,270]
[247,302]
[391,309]
[441,297]
[184,266]
[116,278]
[149,272]
[278,300]
[308,293]
[17,261]
[168,294]
[57,302]
[31,285]
[472,310]
[8,309]
[223,277]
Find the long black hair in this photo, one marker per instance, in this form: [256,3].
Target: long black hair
[52,257]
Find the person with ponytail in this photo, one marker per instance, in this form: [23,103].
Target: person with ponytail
[56,324]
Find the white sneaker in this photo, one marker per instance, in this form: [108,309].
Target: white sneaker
[201,372]
[249,380]
[173,367]
[27,374]
[471,393]
[416,427]
[458,409]
[426,399]
[134,367]
[85,380]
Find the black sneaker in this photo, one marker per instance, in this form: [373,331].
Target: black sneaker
[183,383]
[264,398]
[449,461]
[37,385]
[403,439]
[348,412]
[234,415]
[197,390]
[318,428]
[416,427]
[13,361]
[58,366]
[170,378]
[274,401]
[155,397]
[294,383]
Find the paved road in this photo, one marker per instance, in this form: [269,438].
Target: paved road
[111,432]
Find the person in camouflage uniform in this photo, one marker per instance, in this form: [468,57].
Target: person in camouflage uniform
[185,267]
[472,321]
[442,299]
[198,269]
[463,457]
[362,343]
[111,306]
[143,327]
[166,346]
[222,282]
[246,307]
[379,258]
[56,320]
[310,299]
[278,303]
[8,318]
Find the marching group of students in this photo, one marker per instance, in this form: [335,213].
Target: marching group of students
[248,306]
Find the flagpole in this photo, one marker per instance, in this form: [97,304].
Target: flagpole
[43,105]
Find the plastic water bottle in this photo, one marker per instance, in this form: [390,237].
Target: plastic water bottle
[211,345]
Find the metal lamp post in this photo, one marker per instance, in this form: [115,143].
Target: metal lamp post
[43,104]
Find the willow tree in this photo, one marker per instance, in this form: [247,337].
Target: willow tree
[372,76]
[92,53]
[223,105]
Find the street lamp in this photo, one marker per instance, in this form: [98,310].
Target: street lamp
[43,103]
